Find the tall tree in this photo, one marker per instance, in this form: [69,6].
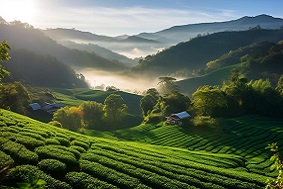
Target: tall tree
[279,86]
[93,113]
[4,56]
[167,85]
[114,108]
[69,117]
[209,101]
[149,101]
[14,97]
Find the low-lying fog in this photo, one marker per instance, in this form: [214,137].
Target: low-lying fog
[101,79]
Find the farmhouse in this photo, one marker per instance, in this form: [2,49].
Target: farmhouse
[47,107]
[177,118]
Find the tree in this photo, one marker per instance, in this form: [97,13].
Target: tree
[279,86]
[14,97]
[209,101]
[236,90]
[69,117]
[174,103]
[4,56]
[149,101]
[167,85]
[92,113]
[114,108]
[278,165]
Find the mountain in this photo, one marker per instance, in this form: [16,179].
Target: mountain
[257,61]
[41,70]
[150,43]
[24,36]
[130,46]
[195,54]
[184,33]
[100,51]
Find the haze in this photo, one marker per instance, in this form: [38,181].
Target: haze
[113,18]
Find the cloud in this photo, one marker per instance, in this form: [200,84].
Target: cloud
[125,20]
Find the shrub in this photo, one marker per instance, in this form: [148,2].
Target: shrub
[78,148]
[56,123]
[4,159]
[29,142]
[52,166]
[20,153]
[81,180]
[80,143]
[57,152]
[204,121]
[32,134]
[52,141]
[21,173]
[63,141]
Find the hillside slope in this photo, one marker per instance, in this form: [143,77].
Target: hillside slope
[217,77]
[177,34]
[24,36]
[40,70]
[197,52]
[245,136]
[66,159]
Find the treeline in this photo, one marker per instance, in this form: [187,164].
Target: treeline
[41,70]
[236,97]
[195,53]
[259,60]
[112,114]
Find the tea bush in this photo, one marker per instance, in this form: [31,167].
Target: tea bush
[20,153]
[53,152]
[52,166]
[20,174]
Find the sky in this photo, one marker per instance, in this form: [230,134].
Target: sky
[119,17]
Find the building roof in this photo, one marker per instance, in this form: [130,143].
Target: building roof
[182,115]
[35,106]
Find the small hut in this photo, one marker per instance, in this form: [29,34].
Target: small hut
[177,118]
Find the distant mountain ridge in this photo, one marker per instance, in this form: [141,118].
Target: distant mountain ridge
[150,43]
[196,53]
[183,33]
[24,36]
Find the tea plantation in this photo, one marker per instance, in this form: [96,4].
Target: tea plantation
[174,159]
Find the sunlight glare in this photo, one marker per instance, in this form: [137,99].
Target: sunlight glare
[22,10]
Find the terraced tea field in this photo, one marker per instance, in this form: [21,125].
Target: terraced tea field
[66,159]
[246,137]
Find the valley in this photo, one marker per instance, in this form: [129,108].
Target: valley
[118,95]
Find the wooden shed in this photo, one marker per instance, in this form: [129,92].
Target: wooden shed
[177,118]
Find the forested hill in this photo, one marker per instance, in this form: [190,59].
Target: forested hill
[259,60]
[41,70]
[197,52]
[24,36]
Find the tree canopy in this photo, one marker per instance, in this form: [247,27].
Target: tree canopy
[4,56]
[114,108]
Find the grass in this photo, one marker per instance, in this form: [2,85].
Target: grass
[245,137]
[74,97]
[158,156]
[190,85]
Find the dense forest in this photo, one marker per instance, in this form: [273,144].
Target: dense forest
[194,54]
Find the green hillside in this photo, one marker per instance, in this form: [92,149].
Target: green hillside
[75,97]
[216,77]
[24,36]
[66,159]
[195,53]
[244,137]
[41,70]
